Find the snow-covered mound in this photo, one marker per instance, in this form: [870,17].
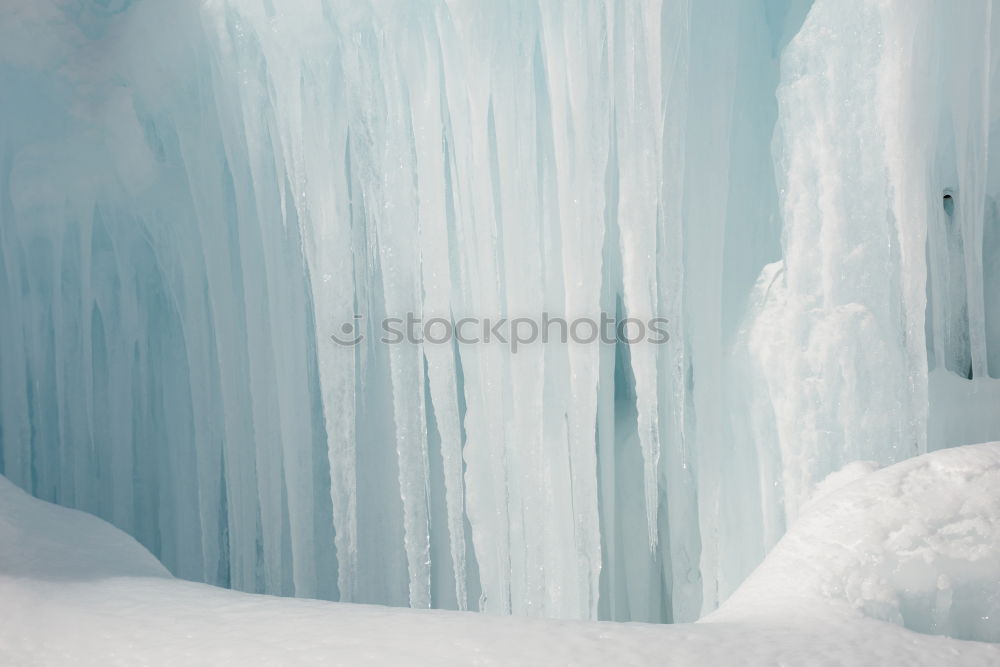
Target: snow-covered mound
[43,541]
[917,544]
[76,591]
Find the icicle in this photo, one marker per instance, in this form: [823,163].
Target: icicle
[466,43]
[386,157]
[423,74]
[578,75]
[638,110]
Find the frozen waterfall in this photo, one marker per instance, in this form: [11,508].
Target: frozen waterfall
[196,196]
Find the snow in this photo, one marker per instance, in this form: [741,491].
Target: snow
[916,544]
[77,591]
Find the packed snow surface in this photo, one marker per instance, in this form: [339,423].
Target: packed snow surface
[76,591]
[917,544]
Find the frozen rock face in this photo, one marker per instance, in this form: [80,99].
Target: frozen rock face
[917,544]
[195,196]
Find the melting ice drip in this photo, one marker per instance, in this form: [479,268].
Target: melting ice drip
[194,196]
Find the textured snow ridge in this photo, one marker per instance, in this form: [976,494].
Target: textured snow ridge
[917,544]
[77,591]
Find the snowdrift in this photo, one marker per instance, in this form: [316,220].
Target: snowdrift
[915,543]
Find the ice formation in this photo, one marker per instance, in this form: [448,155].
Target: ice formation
[195,195]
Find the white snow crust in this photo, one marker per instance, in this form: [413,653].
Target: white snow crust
[894,544]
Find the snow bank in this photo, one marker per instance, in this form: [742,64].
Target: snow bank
[48,542]
[76,591]
[916,544]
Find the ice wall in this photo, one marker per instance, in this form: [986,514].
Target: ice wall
[195,196]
